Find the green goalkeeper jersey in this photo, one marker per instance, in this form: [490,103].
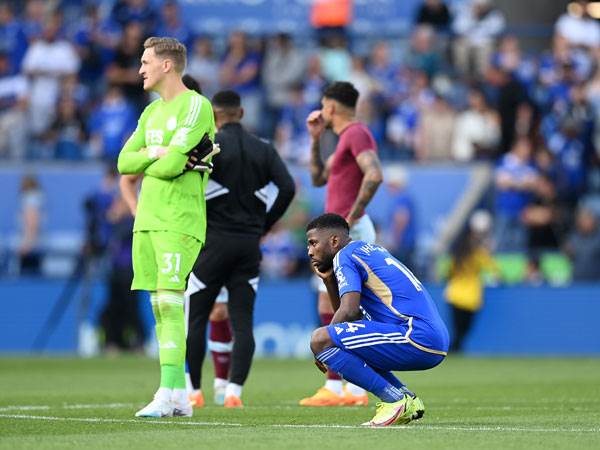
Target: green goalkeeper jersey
[170,199]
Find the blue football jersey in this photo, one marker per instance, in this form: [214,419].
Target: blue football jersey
[390,293]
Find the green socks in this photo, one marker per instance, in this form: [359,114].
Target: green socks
[170,329]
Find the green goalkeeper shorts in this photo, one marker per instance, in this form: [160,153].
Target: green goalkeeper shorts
[163,259]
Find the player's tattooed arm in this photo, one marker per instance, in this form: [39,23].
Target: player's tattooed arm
[319,170]
[372,178]
[349,309]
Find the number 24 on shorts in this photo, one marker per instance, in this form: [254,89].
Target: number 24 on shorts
[169,259]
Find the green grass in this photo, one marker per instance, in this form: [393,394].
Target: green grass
[474,403]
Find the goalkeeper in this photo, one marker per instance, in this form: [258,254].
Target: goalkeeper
[172,135]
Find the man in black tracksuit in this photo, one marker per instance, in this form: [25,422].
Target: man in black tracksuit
[237,218]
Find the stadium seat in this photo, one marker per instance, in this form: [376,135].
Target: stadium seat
[556,268]
[512,266]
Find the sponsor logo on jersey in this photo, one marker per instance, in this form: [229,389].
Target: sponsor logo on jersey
[172,123]
[338,330]
[154,137]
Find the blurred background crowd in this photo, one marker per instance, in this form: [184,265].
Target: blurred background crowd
[457,89]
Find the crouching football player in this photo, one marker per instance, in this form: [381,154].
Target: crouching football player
[384,319]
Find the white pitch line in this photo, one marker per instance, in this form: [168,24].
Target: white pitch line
[66,406]
[301,426]
[119,421]
[288,407]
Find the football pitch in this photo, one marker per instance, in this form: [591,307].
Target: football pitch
[471,403]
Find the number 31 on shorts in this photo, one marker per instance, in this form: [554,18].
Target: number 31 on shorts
[172,261]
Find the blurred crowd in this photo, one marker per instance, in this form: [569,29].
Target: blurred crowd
[458,89]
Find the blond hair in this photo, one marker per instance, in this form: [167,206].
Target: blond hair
[171,48]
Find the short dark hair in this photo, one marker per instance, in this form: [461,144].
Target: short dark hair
[191,83]
[227,99]
[342,92]
[328,220]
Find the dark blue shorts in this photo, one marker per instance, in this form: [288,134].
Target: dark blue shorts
[383,346]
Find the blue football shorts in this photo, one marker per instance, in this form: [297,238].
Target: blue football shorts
[383,346]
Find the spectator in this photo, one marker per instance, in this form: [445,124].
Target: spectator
[583,246]
[67,133]
[515,181]
[314,82]
[35,17]
[95,41]
[283,68]
[476,25]
[470,256]
[336,60]
[477,130]
[123,71]
[434,13]
[30,218]
[12,38]
[171,24]
[203,66]
[46,62]
[111,124]
[381,68]
[509,96]
[401,236]
[578,27]
[435,130]
[240,72]
[544,219]
[13,111]
[291,135]
[421,54]
[510,59]
[125,12]
[403,122]
[366,87]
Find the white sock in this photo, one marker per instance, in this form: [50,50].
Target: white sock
[354,389]
[233,389]
[334,386]
[163,394]
[194,392]
[180,396]
[220,383]
[188,383]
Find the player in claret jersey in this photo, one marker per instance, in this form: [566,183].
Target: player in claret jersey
[170,222]
[384,319]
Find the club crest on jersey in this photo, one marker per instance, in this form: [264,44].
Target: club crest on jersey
[172,123]
[341,279]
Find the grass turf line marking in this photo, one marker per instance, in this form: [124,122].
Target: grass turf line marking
[67,406]
[226,424]
[119,421]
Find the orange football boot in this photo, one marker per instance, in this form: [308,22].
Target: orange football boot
[197,400]
[231,401]
[323,397]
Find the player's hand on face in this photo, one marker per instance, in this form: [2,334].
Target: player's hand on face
[315,123]
[322,275]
